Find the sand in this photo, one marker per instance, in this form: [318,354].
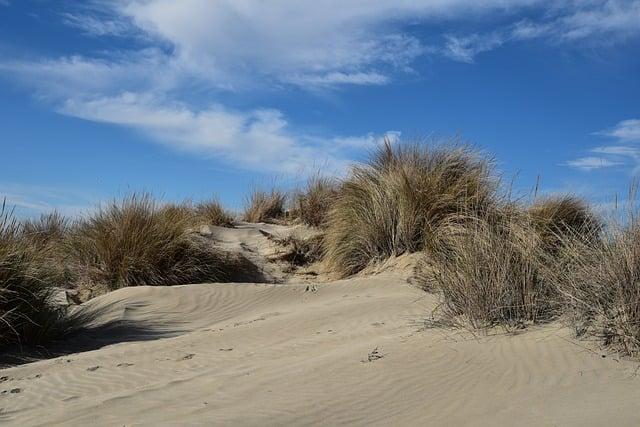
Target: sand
[304,353]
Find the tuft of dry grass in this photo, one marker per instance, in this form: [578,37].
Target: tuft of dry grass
[136,242]
[263,206]
[301,251]
[400,200]
[312,204]
[212,213]
[555,217]
[27,314]
[489,273]
[598,277]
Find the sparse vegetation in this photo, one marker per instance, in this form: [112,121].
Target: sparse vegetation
[263,206]
[493,261]
[401,199]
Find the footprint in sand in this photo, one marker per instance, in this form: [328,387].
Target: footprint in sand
[373,356]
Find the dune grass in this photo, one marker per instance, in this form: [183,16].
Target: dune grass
[598,278]
[311,204]
[27,314]
[135,242]
[490,274]
[401,198]
[211,212]
[554,217]
[265,206]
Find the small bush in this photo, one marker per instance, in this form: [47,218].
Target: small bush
[599,280]
[312,204]
[399,200]
[212,213]
[262,206]
[491,274]
[135,242]
[27,315]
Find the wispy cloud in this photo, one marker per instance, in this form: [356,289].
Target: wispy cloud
[625,131]
[258,139]
[591,163]
[196,49]
[97,26]
[623,151]
[465,48]
[30,200]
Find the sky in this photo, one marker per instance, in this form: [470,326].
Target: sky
[190,99]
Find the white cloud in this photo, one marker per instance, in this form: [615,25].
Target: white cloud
[30,200]
[621,152]
[197,48]
[602,22]
[591,163]
[625,131]
[465,48]
[98,26]
[256,140]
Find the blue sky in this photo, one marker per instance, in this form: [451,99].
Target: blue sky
[192,98]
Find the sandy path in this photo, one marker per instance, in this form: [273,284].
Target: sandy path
[246,354]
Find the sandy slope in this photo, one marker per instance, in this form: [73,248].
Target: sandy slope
[345,352]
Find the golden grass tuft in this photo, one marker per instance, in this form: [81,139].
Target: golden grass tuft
[27,314]
[489,273]
[312,204]
[211,212]
[135,242]
[263,206]
[554,217]
[598,278]
[401,198]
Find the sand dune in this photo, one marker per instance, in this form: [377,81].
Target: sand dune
[343,352]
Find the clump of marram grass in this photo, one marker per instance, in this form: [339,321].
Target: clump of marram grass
[27,314]
[301,251]
[47,236]
[211,212]
[135,242]
[47,229]
[401,198]
[312,204]
[263,206]
[489,273]
[555,217]
[598,277]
